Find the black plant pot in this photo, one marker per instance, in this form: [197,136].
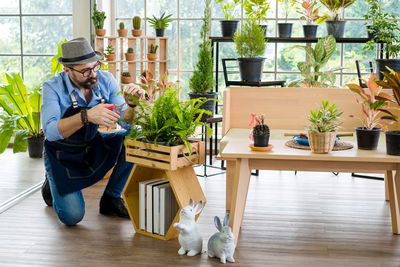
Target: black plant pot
[251,69]
[393,143]
[35,146]
[264,28]
[367,139]
[373,34]
[381,64]
[310,31]
[261,140]
[335,28]
[285,30]
[160,32]
[228,27]
[209,105]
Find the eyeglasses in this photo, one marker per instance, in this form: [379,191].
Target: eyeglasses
[88,71]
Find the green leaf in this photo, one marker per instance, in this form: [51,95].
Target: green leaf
[20,141]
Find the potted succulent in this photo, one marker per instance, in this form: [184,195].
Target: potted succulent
[152,54]
[110,53]
[285,29]
[385,29]
[257,9]
[130,54]
[126,77]
[160,24]
[392,80]
[122,32]
[228,25]
[374,105]
[334,21]
[20,116]
[309,12]
[201,83]
[98,21]
[260,131]
[250,44]
[322,131]
[136,24]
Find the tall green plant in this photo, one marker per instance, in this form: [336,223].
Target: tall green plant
[287,6]
[336,9]
[316,59]
[227,7]
[202,80]
[21,114]
[256,9]
[57,67]
[250,40]
[98,18]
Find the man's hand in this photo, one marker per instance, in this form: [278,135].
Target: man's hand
[102,116]
[135,90]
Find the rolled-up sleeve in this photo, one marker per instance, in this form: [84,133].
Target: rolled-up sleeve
[50,113]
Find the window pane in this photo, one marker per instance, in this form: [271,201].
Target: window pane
[12,64]
[357,10]
[46,7]
[9,29]
[191,8]
[9,7]
[36,70]
[289,57]
[392,6]
[189,43]
[130,8]
[157,7]
[45,42]
[352,52]
[184,78]
[355,29]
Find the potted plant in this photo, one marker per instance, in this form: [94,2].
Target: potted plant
[257,9]
[98,21]
[152,54]
[228,25]
[130,54]
[250,44]
[285,29]
[392,80]
[110,53]
[309,12]
[374,105]
[201,83]
[136,24]
[385,29]
[122,32]
[20,116]
[160,24]
[260,131]
[312,69]
[126,77]
[322,131]
[334,21]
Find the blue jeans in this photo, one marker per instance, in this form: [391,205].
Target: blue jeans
[70,208]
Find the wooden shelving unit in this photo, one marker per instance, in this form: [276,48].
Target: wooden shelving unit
[141,46]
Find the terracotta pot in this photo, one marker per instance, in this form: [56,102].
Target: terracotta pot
[321,143]
[130,56]
[100,32]
[151,56]
[125,79]
[136,33]
[123,32]
[110,57]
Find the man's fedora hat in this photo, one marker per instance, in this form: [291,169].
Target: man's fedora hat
[78,51]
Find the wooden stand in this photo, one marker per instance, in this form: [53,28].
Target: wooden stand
[141,46]
[171,163]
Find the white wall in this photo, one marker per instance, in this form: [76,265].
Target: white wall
[81,18]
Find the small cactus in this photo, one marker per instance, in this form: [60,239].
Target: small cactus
[130,50]
[110,49]
[260,128]
[126,74]
[153,49]
[136,22]
[121,26]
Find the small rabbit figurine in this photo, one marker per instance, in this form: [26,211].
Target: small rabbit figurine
[222,243]
[189,235]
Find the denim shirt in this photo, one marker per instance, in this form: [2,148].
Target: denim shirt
[57,99]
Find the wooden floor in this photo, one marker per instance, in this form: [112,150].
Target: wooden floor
[308,219]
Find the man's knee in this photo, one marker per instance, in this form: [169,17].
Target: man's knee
[71,217]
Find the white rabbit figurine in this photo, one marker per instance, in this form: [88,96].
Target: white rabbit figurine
[189,235]
[222,243]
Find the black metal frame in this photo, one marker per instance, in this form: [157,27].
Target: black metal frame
[360,69]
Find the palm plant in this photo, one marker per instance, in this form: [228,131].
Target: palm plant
[160,23]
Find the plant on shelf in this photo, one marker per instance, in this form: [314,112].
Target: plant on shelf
[374,106]
[334,21]
[285,29]
[260,132]
[20,116]
[122,32]
[152,55]
[288,5]
[250,44]
[130,54]
[311,69]
[126,77]
[309,12]
[110,53]
[136,24]
[228,25]
[257,9]
[160,24]
[98,21]
[322,131]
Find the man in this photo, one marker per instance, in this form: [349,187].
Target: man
[75,103]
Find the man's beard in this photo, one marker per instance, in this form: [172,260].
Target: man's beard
[89,83]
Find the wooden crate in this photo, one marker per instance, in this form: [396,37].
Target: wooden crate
[164,157]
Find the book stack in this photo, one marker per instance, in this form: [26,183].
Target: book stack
[157,206]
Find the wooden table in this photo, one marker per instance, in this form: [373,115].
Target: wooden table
[243,160]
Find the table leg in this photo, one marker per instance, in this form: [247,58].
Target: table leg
[211,146]
[394,198]
[387,174]
[230,177]
[239,195]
